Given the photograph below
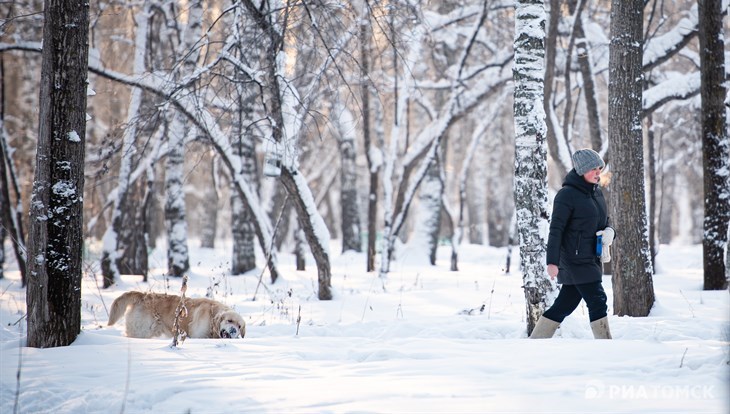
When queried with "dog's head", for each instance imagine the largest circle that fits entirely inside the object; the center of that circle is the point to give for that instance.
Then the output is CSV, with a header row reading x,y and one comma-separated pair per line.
x,y
231,325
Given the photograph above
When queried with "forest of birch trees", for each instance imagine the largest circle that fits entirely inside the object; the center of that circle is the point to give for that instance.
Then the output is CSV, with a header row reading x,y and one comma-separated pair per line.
x,y
281,125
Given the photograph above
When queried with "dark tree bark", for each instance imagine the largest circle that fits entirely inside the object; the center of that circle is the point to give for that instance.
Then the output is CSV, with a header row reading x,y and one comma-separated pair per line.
x,y
633,291
715,145
56,212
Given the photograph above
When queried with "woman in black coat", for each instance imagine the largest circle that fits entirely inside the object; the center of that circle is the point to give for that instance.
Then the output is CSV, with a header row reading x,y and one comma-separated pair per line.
x,y
574,248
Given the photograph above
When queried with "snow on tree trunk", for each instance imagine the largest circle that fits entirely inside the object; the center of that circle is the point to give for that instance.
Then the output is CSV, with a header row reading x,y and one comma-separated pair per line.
x,y
715,145
56,212
531,157
348,180
633,291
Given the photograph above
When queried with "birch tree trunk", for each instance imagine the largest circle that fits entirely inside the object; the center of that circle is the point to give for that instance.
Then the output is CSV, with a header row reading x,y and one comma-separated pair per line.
x,y
348,181
119,238
531,157
428,215
243,231
56,233
291,178
209,219
715,145
177,229
633,291
178,261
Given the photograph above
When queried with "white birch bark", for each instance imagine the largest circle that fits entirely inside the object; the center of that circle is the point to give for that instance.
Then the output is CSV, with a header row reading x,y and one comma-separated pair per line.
x,y
111,243
178,261
531,157
346,130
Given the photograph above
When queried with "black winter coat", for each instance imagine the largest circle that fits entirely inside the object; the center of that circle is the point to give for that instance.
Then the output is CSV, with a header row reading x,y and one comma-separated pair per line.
x,y
579,211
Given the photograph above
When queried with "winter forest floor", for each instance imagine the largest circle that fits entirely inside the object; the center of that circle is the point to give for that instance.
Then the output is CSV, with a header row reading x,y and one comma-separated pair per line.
x,y
423,340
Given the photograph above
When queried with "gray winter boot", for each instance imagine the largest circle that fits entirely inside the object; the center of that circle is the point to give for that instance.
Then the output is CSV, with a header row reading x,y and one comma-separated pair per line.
x,y
600,328
544,328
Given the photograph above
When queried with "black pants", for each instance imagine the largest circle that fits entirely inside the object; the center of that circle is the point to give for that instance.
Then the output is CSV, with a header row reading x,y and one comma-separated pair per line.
x,y
569,298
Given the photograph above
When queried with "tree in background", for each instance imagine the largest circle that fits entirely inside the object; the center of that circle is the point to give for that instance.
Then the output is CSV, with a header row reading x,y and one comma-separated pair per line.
x,y
56,230
435,69
633,291
715,145
531,157
123,251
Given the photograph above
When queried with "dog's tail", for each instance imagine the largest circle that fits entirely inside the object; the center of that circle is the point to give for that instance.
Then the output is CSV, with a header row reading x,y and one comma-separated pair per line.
x,y
120,304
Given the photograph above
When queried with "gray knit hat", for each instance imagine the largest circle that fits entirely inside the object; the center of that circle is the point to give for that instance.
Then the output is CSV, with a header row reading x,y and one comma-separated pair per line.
x,y
585,160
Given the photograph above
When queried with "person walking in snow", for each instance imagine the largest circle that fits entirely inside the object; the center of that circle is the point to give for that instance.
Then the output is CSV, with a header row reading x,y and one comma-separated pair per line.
x,y
575,250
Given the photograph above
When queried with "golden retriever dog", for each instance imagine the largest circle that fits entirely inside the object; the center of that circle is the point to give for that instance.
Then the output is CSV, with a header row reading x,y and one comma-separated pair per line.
x,y
152,315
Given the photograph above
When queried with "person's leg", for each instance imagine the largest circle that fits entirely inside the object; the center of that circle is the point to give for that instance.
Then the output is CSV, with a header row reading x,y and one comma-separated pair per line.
x,y
596,299
566,302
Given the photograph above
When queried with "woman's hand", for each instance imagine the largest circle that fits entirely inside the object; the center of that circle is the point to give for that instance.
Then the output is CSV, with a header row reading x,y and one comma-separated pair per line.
x,y
552,271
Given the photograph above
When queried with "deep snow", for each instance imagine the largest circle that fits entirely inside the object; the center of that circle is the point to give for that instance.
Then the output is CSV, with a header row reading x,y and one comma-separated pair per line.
x,y
431,341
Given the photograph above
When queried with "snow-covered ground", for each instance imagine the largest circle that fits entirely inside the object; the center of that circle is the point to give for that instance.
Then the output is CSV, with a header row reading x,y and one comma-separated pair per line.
x,y
424,340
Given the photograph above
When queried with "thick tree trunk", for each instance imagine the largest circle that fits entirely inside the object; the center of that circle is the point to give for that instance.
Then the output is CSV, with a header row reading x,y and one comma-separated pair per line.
x,y
633,291
715,145
531,158
56,234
